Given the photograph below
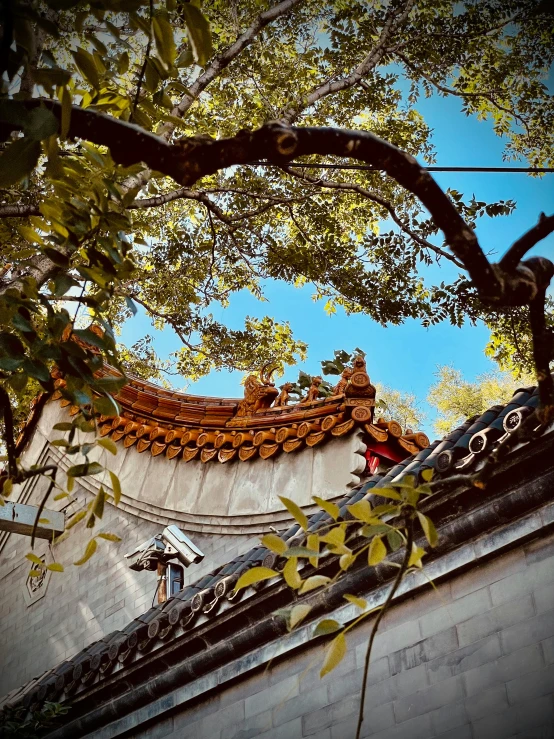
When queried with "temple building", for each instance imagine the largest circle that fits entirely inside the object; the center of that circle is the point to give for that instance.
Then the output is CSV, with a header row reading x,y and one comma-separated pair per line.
x,y
149,638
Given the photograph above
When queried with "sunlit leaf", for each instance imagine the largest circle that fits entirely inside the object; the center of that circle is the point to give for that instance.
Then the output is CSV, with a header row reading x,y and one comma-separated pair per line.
x,y
199,32
331,508
428,529
254,575
108,444
360,602
274,543
109,537
416,556
89,551
295,511
334,655
116,487
377,551
34,559
298,613
290,573
55,567
327,626
314,582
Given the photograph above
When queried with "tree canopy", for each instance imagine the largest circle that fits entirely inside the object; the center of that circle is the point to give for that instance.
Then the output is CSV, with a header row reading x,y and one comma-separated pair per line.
x,y
360,238
138,178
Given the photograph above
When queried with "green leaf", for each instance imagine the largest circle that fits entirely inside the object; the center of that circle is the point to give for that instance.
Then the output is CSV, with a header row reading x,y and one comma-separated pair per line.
x,y
97,508
108,444
428,529
327,626
274,543
298,613
330,508
116,487
199,33
360,602
334,655
295,511
377,551
82,470
18,161
290,573
55,567
165,43
254,575
86,65
63,426
106,405
301,552
311,583
394,539
89,551
40,124
109,537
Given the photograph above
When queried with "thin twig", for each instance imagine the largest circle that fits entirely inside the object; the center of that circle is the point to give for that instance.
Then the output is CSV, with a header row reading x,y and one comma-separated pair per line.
x,y
145,62
386,604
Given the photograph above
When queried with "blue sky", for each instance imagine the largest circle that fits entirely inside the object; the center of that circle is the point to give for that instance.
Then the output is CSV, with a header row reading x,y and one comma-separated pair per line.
x,y
403,357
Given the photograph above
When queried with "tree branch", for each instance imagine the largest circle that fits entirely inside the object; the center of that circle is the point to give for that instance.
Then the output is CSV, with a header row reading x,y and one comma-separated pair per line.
x,y
395,20
384,609
221,61
525,243
18,211
380,201
459,93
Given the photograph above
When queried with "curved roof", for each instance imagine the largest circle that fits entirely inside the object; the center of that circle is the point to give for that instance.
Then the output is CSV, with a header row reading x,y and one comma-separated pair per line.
x,y
463,449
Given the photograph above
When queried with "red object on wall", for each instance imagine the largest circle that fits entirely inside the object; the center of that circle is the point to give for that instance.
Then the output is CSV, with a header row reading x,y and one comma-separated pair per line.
x,y
372,462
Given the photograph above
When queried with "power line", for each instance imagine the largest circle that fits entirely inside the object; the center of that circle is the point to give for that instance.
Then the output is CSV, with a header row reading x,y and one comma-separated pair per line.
x,y
369,168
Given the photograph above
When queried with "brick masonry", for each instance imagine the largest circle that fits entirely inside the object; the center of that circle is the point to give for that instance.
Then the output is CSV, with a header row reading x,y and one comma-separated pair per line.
x,y
473,661
84,603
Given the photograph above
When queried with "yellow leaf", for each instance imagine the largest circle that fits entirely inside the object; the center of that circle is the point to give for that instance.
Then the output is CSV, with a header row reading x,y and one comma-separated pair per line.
x,y
55,567
415,556
360,602
295,511
428,529
35,573
362,511
388,493
334,655
326,626
44,520
313,543
108,444
116,487
377,551
326,505
346,561
335,537
75,519
427,474
7,487
316,581
34,559
109,537
89,551
290,573
256,574
274,543
297,614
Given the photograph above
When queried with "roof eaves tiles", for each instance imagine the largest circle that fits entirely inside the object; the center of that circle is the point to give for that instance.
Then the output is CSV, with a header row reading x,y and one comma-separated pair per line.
x,y
207,595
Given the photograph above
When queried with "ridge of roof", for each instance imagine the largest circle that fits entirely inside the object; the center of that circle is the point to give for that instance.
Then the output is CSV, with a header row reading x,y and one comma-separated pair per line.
x,y
462,449
183,426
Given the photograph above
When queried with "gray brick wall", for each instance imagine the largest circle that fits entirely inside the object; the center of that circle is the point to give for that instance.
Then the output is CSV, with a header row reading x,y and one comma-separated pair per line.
x,y
84,603
475,661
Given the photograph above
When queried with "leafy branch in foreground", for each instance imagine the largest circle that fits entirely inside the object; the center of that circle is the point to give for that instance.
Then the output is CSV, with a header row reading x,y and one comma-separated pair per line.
x,y
379,533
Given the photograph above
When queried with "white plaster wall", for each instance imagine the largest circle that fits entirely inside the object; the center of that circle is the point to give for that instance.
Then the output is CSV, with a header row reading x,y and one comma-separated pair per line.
x,y
238,496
